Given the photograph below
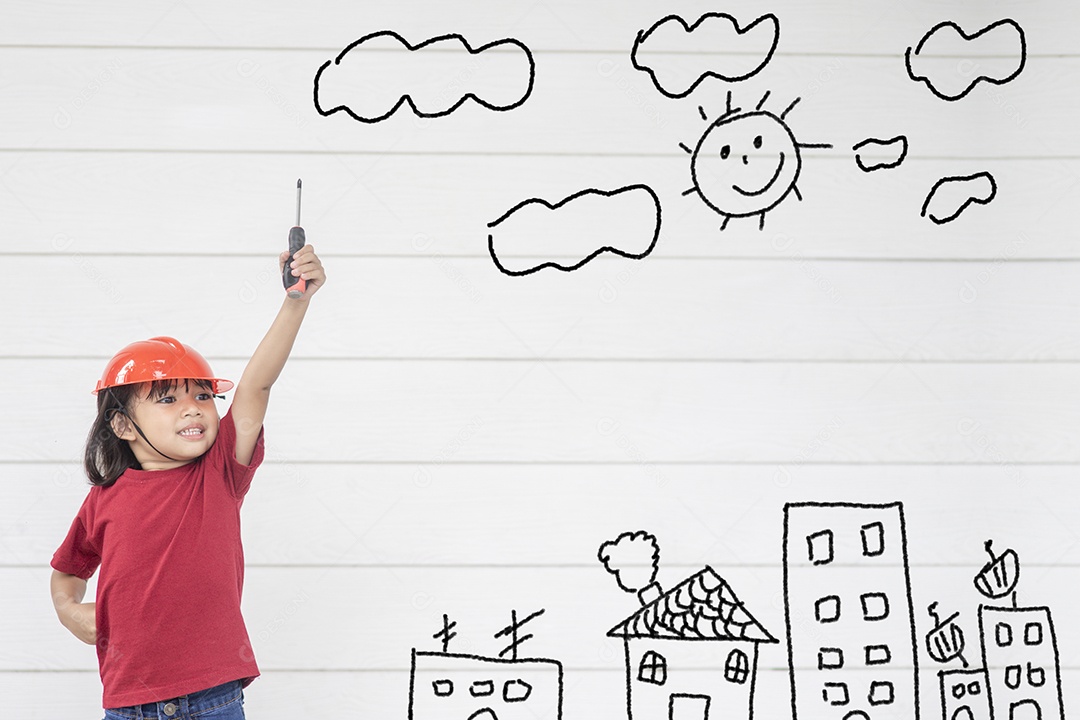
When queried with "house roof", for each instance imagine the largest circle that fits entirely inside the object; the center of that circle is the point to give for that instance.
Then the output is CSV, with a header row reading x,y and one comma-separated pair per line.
x,y
702,607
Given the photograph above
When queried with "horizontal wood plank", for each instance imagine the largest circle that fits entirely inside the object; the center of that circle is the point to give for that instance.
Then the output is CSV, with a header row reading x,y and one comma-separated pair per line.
x,y
409,411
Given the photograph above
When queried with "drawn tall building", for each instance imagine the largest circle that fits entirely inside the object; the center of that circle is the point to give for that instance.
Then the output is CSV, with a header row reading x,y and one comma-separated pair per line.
x,y
1022,663
847,605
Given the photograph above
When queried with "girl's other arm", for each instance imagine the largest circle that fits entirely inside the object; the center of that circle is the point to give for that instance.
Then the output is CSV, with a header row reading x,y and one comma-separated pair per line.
x,y
75,615
253,390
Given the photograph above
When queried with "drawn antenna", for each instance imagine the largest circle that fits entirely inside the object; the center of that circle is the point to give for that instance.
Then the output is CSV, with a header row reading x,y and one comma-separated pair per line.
x,y
513,631
446,634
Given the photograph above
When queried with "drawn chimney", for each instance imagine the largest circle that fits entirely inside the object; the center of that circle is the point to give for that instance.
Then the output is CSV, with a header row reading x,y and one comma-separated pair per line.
x,y
633,558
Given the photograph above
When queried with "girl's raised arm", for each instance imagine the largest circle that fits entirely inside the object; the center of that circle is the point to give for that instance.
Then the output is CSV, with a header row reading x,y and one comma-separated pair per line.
x,y
253,390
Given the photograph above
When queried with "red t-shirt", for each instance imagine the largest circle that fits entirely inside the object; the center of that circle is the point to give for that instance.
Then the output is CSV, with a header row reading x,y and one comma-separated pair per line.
x,y
172,572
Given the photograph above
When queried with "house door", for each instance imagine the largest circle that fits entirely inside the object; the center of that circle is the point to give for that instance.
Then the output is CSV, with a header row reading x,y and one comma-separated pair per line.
x,y
688,707
1025,710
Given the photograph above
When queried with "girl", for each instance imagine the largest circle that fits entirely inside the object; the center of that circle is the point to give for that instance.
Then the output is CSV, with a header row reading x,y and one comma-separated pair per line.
x,y
163,523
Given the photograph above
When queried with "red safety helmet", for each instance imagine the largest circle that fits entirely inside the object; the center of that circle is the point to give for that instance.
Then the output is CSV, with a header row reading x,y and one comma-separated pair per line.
x,y
159,358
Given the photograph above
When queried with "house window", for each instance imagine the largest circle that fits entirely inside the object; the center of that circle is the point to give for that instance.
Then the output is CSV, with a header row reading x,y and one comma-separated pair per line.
x,y
1012,677
873,539
443,688
881,692
878,655
653,668
875,606
482,688
1033,634
820,546
516,691
830,659
737,667
1003,634
827,609
835,693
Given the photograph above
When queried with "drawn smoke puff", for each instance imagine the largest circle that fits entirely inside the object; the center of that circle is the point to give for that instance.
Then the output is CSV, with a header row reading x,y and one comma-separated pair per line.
x,y
633,558
734,53
374,76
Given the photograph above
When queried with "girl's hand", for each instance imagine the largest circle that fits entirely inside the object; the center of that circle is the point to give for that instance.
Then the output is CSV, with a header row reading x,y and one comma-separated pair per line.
x,y
307,266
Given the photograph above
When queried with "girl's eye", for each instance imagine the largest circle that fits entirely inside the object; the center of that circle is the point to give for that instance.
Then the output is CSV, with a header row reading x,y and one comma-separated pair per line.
x,y
167,399
203,396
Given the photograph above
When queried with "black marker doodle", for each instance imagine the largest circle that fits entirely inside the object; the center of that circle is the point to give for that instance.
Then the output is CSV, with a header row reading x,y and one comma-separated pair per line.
x,y
882,146
631,213
1021,671
945,641
746,163
848,611
710,35
473,687
359,86
963,190
700,610
965,694
956,81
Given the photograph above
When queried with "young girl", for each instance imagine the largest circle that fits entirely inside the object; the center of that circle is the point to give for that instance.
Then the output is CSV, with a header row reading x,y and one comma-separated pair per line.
x,y
163,523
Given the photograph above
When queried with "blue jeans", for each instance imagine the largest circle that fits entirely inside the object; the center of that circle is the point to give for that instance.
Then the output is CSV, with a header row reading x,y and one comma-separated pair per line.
x,y
224,702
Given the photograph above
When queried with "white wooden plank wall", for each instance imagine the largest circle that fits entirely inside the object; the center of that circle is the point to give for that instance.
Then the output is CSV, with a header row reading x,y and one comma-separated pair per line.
x,y
469,438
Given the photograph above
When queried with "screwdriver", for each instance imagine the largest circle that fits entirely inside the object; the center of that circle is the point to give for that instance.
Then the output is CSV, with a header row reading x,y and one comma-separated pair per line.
x,y
294,286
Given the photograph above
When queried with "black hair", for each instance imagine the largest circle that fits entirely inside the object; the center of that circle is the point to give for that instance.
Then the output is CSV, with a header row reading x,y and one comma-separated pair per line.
x,y
106,456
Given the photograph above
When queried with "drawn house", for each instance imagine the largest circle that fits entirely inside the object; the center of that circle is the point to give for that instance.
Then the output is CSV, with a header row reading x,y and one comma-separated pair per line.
x,y
691,652
848,610
1022,663
965,694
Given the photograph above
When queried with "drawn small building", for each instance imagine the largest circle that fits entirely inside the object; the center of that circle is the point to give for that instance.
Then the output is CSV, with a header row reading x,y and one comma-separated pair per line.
x,y
691,653
449,686
965,694
848,611
1022,663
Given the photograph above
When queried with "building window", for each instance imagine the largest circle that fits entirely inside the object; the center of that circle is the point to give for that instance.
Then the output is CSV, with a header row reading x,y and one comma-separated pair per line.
x,y
1033,634
835,693
1012,677
516,691
974,688
875,606
820,546
827,609
878,655
958,691
443,688
737,667
1003,634
653,668
1036,676
873,539
482,688
881,692
830,659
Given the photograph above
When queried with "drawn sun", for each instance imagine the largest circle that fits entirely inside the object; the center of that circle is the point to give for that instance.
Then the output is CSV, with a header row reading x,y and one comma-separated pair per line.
x,y
746,163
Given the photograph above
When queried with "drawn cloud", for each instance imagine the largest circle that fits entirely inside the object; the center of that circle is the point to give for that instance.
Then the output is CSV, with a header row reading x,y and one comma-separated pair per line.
x,y
996,54
735,53
950,196
570,228
374,76
893,151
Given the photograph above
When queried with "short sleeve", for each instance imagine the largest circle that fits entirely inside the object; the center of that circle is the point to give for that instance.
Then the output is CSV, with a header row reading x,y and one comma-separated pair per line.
x,y
223,457
76,556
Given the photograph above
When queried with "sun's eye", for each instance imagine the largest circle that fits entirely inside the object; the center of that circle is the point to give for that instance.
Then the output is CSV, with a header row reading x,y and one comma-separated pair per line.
x,y
724,152
757,143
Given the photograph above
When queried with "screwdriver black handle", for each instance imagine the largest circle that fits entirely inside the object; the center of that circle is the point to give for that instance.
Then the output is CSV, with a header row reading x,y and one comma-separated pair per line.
x,y
294,286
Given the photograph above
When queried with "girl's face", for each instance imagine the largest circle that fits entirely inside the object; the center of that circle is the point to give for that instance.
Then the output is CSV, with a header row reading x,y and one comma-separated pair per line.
x,y
182,423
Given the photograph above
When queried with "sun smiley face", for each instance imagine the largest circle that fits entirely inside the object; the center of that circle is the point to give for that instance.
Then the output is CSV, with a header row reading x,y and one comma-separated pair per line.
x,y
746,163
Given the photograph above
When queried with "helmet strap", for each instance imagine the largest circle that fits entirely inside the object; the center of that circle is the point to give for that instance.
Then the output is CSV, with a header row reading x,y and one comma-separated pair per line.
x,y
120,409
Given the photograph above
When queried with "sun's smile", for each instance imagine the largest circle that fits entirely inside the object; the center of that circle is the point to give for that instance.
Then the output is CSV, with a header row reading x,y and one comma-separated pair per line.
x,y
772,181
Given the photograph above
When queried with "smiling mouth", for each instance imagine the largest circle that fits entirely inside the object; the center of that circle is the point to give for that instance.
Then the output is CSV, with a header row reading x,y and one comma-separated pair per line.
x,y
191,432
752,193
